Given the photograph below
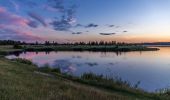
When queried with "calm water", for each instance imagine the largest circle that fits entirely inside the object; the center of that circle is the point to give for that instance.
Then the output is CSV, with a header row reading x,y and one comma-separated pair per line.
x,y
151,68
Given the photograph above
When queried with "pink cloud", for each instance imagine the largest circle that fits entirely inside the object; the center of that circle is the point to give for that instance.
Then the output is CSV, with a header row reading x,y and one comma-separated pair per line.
x,y
27,34
2,9
12,19
8,24
8,33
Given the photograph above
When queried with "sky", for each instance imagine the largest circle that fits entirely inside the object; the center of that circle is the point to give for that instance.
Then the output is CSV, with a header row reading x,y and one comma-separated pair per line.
x,y
85,20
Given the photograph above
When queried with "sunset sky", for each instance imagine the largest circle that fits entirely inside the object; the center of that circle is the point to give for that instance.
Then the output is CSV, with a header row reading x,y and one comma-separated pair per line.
x,y
85,20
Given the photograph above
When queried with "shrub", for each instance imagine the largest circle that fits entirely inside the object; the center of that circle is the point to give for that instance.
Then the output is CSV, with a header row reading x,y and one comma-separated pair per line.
x,y
57,70
91,76
24,61
46,68
104,81
16,46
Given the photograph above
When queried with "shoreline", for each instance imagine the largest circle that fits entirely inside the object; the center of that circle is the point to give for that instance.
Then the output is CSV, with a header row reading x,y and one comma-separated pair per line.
x,y
49,80
9,49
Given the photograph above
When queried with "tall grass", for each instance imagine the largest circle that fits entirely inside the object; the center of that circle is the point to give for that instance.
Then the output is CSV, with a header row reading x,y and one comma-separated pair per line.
x,y
95,80
104,80
24,61
103,83
47,69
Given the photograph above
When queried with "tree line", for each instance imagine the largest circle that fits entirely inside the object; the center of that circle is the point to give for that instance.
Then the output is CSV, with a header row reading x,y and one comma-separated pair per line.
x,y
12,42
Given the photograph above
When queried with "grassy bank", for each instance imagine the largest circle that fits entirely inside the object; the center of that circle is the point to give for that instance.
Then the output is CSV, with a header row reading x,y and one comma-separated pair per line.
x,y
20,82
23,81
8,49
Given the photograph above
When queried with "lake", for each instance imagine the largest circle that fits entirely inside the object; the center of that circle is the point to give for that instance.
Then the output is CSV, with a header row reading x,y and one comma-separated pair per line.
x,y
151,68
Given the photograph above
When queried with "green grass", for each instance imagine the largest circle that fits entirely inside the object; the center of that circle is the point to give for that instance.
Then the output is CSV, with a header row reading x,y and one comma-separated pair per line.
x,y
47,69
24,61
7,49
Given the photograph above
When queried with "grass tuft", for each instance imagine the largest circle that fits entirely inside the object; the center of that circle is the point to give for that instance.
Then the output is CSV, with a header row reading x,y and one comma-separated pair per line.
x,y
47,69
24,61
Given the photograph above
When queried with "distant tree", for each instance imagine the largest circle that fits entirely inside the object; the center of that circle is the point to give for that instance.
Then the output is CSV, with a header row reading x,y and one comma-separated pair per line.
x,y
36,43
113,42
55,43
16,46
101,43
47,43
106,43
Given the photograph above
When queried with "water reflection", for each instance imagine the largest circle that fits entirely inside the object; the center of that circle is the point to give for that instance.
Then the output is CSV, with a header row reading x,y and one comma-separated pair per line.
x,y
91,64
65,65
151,68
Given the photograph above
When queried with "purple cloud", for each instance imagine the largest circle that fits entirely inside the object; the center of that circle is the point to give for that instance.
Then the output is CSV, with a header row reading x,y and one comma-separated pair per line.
x,y
68,15
66,21
91,25
33,24
107,33
71,14
7,18
11,19
111,25
77,33
9,24
61,25
37,17
57,4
